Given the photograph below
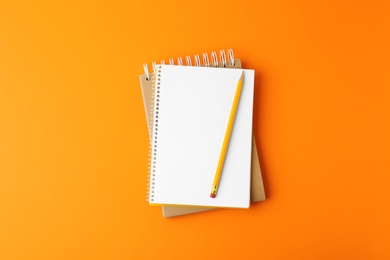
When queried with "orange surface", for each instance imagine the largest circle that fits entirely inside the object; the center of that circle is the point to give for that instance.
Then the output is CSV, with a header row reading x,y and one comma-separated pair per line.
x,y
74,141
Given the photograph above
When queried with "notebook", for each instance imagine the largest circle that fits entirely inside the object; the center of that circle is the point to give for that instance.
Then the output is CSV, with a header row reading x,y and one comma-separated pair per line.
x,y
192,108
257,188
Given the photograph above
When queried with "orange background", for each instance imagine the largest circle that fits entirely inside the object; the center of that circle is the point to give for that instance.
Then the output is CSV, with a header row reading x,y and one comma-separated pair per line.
x,y
74,140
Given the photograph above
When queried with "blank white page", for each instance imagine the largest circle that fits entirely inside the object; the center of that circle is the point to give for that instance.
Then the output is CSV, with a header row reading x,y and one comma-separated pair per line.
x,y
192,108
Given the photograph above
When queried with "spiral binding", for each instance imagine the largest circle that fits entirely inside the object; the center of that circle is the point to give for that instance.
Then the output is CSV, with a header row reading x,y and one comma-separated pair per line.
x,y
197,62
154,128
152,144
154,78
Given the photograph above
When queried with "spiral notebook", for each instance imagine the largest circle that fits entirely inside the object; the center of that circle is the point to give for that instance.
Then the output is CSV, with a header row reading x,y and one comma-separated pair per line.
x,y
191,114
257,188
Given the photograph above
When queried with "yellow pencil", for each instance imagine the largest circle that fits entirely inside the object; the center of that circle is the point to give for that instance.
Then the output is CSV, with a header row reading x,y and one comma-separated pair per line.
x,y
228,132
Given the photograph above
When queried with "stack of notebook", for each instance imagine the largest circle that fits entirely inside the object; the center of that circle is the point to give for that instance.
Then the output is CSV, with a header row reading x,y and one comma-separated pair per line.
x,y
202,153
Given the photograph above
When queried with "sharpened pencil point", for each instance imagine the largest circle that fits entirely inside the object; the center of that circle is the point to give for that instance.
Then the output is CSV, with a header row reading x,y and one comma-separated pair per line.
x,y
242,77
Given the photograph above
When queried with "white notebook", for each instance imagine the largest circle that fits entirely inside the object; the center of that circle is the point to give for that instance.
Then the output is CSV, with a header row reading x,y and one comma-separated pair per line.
x,y
192,107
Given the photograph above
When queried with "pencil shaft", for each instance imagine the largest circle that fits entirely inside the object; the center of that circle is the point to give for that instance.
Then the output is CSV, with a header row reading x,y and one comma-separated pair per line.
x,y
226,140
